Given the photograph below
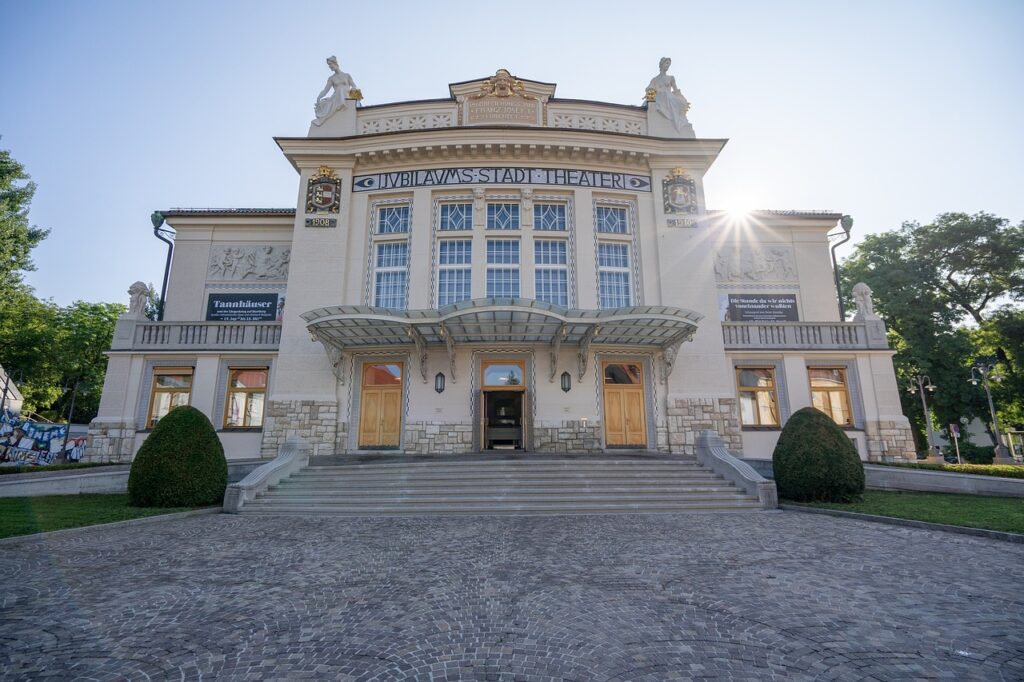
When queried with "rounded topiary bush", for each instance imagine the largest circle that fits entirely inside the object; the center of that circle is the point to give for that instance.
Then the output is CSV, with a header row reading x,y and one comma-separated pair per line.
x,y
814,461
181,464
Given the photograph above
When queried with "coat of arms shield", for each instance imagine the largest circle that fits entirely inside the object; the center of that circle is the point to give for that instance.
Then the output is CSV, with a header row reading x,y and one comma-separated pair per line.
x,y
323,193
679,192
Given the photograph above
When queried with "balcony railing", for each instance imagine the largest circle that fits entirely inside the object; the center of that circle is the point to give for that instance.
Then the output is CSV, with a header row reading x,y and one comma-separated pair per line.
x,y
798,336
206,336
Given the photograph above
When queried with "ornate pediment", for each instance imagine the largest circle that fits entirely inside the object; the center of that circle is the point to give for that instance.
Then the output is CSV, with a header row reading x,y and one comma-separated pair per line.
x,y
502,99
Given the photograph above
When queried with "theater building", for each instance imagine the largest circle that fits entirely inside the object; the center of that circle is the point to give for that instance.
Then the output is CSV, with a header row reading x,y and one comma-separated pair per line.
x,y
500,269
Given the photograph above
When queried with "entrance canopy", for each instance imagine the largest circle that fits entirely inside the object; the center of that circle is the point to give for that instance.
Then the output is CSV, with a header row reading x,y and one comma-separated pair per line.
x,y
344,329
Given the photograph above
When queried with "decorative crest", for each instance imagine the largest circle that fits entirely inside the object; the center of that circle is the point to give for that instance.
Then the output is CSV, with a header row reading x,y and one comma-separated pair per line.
x,y
502,84
323,192
679,193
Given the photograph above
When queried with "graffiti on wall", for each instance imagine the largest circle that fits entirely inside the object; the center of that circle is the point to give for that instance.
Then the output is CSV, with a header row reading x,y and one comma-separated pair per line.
x,y
23,441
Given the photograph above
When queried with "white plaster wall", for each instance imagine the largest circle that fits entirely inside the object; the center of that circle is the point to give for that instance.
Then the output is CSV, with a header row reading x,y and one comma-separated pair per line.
x,y
316,280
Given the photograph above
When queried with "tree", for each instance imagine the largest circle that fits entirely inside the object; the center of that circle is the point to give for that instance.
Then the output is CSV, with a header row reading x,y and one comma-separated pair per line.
x,y
926,279
978,259
17,236
56,347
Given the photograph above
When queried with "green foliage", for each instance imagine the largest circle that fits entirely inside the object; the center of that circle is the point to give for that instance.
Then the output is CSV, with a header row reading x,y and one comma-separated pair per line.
x,y
973,454
17,236
927,280
54,348
181,464
32,469
814,460
1000,470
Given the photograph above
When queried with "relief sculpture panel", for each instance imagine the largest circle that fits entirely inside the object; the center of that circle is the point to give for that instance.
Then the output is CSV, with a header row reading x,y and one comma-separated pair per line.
x,y
765,263
249,263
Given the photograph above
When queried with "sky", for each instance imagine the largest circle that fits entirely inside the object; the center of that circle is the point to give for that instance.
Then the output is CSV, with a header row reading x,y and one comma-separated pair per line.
x,y
888,110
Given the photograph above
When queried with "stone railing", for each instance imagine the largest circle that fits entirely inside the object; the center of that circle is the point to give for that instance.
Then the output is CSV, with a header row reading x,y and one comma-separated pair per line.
x,y
205,336
712,453
801,336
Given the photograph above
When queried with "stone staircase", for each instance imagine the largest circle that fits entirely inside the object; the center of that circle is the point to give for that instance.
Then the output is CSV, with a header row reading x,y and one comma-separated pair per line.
x,y
520,485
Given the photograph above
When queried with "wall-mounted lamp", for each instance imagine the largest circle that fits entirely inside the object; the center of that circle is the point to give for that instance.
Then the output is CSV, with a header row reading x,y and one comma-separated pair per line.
x,y
439,382
566,382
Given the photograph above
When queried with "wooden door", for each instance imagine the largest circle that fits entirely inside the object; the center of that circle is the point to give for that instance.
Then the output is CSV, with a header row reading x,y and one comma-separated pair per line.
x,y
380,407
625,416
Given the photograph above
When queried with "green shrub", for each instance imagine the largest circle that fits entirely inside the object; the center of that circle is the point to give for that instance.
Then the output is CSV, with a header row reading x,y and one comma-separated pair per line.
x,y
181,464
973,454
1001,470
814,460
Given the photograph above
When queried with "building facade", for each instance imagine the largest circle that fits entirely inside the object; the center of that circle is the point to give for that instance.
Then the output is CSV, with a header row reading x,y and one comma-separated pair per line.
x,y
500,269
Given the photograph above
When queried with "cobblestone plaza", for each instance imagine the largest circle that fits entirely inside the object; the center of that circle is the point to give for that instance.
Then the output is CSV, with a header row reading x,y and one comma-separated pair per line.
x,y
634,597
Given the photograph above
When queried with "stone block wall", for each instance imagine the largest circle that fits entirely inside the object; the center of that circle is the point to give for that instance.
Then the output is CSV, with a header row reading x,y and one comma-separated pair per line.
x,y
568,436
898,439
438,438
316,421
110,442
688,416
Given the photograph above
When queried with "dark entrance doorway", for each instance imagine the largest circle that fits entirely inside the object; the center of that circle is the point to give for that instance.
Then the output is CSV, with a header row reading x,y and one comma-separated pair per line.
x,y
503,420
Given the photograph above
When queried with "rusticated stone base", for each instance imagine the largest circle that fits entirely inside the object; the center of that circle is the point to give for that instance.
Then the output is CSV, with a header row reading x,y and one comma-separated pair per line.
x,y
568,436
688,416
438,438
897,438
110,442
315,421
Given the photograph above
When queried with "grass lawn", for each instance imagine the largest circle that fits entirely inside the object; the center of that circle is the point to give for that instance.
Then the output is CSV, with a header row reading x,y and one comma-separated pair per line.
x,y
973,511
26,515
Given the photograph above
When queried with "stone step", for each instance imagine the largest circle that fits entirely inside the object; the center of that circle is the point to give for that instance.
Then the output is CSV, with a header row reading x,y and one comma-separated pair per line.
x,y
499,509
483,497
553,487
528,486
516,465
484,475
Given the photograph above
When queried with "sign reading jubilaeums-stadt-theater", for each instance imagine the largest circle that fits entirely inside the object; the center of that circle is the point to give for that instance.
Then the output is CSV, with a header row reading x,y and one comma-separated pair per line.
x,y
490,175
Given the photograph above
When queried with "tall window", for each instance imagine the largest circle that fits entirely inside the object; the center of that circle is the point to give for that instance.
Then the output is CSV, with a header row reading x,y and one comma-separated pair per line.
x,y
613,276
502,216
758,399
456,216
393,220
830,394
391,272
247,392
611,220
503,268
454,270
551,271
549,217
172,387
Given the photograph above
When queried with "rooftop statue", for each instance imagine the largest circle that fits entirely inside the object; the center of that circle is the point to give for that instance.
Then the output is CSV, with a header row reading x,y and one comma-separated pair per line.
x,y
865,306
343,88
663,94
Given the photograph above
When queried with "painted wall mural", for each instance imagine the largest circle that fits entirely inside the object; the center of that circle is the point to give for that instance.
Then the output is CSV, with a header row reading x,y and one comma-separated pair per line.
x,y
23,441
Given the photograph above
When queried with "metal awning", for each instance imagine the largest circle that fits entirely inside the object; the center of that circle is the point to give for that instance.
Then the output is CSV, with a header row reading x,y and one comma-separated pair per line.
x,y
343,329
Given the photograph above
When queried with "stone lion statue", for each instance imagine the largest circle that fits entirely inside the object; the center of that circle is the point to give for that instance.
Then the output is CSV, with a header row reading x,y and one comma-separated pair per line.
x,y
139,293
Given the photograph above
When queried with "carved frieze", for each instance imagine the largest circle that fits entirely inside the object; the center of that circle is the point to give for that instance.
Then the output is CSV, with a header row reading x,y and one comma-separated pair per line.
x,y
249,263
418,121
761,263
582,121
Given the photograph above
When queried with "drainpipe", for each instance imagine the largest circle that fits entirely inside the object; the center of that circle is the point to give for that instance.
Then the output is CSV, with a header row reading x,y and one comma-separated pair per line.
x,y
847,224
158,232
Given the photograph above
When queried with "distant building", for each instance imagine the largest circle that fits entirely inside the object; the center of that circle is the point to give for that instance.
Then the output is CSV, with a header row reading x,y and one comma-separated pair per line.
x,y
10,396
500,269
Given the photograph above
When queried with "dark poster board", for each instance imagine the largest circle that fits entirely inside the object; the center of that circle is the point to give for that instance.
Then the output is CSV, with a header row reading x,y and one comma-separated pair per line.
x,y
241,308
760,308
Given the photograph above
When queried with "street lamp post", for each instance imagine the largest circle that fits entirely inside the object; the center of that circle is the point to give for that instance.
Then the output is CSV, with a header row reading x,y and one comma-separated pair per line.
x,y
73,387
923,383
987,373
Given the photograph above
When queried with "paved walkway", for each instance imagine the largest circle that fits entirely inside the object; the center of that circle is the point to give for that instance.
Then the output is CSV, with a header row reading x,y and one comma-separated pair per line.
x,y
703,596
